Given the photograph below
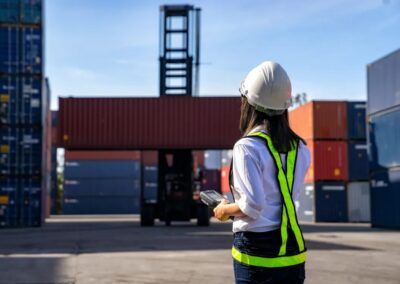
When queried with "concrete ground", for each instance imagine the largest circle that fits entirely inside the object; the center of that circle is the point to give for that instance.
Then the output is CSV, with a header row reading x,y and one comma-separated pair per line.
x,y
104,249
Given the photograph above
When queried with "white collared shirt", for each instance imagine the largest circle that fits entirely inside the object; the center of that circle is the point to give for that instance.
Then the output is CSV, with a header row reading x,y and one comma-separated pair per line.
x,y
256,190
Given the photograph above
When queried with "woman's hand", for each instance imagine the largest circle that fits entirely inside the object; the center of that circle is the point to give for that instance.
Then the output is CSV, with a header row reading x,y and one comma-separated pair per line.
x,y
219,211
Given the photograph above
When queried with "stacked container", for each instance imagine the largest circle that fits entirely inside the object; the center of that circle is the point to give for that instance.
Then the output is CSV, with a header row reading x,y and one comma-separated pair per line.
x,y
102,182
358,196
323,125
24,104
55,207
384,140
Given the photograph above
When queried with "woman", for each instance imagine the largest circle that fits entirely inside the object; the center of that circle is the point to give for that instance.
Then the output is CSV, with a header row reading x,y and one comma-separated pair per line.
x,y
269,165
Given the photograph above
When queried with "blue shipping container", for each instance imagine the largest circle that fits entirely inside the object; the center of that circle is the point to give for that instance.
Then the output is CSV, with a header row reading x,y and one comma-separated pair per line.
x,y
356,120
383,83
20,151
385,196
31,11
150,173
330,202
358,161
9,11
101,205
384,141
102,187
150,192
21,50
212,159
20,201
102,169
30,210
20,100
8,203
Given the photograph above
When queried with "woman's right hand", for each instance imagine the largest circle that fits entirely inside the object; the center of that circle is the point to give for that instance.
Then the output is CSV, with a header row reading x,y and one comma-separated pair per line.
x,y
219,211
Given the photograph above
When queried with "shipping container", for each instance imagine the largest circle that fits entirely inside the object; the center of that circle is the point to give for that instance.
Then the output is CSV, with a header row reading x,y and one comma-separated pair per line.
x,y
102,168
149,158
171,123
358,161
226,156
328,161
384,83
102,187
31,11
31,213
225,179
101,155
20,100
320,120
9,12
20,150
384,140
358,200
9,198
356,121
21,50
323,202
150,192
150,173
198,159
211,180
212,159
385,196
101,205
305,205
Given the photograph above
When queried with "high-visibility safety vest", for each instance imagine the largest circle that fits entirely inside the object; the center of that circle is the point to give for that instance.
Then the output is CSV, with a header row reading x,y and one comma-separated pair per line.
x,y
289,221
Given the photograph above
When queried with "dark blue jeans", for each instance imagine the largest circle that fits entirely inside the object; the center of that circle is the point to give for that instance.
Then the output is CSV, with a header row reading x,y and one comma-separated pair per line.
x,y
264,244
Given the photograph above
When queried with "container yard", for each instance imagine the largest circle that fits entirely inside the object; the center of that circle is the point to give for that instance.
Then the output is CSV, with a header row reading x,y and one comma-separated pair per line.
x,y
102,180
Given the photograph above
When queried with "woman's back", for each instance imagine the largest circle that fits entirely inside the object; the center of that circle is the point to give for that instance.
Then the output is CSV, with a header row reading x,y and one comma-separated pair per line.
x,y
256,187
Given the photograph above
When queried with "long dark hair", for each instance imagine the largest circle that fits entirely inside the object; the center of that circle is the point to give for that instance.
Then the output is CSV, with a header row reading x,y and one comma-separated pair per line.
x,y
277,126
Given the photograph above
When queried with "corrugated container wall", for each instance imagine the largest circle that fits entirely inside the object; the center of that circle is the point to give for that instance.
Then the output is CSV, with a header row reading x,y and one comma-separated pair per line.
x,y
358,160
328,161
149,123
384,83
356,120
323,202
320,120
358,199
385,196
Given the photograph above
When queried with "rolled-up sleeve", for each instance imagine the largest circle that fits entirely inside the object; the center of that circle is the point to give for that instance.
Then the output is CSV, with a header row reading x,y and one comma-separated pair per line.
x,y
247,180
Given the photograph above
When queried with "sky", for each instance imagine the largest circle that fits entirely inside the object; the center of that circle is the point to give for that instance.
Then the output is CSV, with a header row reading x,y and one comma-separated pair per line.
x,y
102,48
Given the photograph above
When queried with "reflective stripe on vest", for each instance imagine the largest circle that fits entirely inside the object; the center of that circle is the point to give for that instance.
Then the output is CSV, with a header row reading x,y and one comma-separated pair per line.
x,y
285,181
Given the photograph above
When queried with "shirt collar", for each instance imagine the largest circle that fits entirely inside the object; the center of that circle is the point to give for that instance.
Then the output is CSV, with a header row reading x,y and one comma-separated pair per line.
x,y
260,127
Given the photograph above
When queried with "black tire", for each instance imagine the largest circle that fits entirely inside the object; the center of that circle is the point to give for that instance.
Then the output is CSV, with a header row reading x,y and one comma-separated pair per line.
x,y
147,215
203,215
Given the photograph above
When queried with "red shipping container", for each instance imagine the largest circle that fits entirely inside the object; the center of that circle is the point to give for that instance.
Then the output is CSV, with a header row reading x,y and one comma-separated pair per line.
x,y
148,123
328,161
320,120
198,159
211,180
150,158
101,155
225,179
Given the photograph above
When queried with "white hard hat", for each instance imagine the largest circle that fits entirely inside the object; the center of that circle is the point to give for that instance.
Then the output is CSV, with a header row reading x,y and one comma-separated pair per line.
x,y
267,87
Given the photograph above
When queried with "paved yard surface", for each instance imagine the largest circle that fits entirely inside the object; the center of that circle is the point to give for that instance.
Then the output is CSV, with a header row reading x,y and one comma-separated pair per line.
x,y
104,249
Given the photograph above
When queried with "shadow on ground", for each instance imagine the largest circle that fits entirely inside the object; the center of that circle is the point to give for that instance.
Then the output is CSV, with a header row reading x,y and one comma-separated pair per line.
x,y
91,236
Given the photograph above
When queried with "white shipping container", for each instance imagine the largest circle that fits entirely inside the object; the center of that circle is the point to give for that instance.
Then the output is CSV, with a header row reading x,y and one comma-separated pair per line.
x,y
358,198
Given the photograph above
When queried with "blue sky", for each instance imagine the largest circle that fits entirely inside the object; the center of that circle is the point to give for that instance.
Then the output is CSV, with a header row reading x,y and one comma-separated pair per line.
x,y
110,48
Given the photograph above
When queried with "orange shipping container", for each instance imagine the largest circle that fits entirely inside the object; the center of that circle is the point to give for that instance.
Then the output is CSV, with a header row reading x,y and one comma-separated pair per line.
x,y
225,179
320,120
328,161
